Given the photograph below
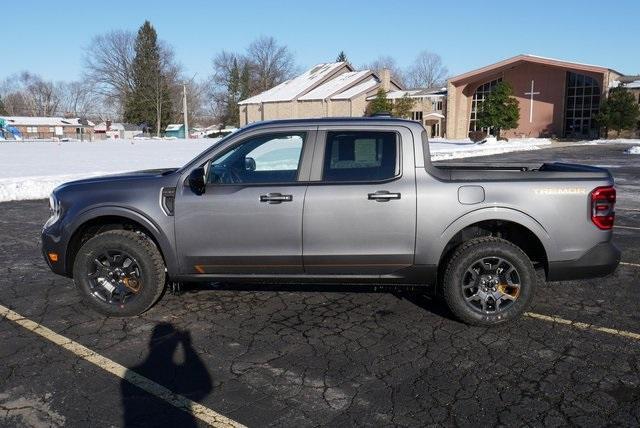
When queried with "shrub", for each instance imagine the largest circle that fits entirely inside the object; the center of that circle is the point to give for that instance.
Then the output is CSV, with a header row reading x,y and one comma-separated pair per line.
x,y
477,136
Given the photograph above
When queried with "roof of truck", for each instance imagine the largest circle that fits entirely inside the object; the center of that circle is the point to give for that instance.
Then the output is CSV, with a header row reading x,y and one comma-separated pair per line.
x,y
374,120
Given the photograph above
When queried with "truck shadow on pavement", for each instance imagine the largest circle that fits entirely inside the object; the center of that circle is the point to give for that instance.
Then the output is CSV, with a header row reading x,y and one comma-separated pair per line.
x,y
173,363
421,296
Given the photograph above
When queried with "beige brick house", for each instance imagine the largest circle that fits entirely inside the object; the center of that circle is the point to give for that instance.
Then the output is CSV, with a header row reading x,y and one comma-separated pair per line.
x,y
429,108
325,90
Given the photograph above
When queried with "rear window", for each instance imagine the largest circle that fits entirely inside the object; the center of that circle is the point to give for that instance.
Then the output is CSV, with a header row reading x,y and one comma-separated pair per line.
x,y
360,156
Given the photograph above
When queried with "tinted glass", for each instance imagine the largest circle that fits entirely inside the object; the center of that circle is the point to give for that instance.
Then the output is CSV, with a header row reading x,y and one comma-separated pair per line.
x,y
360,156
270,158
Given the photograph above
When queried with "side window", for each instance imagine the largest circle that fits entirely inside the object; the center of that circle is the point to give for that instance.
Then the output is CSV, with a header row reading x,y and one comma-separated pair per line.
x,y
271,158
360,156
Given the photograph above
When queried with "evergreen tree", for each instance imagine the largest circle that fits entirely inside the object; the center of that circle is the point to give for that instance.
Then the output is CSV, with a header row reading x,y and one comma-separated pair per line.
x,y
245,81
619,111
342,57
499,110
149,102
380,104
403,106
232,110
3,110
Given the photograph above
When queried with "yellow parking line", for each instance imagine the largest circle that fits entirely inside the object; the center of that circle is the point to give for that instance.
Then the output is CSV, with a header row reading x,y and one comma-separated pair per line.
x,y
199,411
630,264
627,227
584,326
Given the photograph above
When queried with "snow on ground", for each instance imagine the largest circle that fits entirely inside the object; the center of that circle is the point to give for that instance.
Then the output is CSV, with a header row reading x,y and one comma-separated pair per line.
x,y
635,150
443,149
31,170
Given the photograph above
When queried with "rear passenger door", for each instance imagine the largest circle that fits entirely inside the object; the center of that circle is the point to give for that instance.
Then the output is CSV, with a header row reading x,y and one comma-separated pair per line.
x,y
360,207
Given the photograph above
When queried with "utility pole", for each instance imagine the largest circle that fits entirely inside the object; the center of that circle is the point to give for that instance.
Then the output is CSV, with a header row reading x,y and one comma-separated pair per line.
x,y
184,110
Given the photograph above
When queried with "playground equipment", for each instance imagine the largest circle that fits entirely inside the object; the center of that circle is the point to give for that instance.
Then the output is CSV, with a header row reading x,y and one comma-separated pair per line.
x,y
8,130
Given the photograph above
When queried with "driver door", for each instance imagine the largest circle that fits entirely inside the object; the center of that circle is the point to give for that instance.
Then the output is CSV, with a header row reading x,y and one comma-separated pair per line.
x,y
248,221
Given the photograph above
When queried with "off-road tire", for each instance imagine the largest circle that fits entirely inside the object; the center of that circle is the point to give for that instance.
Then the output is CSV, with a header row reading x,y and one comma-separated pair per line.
x,y
473,250
148,258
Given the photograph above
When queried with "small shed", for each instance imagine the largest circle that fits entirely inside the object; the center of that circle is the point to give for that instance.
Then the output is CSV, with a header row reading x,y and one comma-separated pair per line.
x,y
174,130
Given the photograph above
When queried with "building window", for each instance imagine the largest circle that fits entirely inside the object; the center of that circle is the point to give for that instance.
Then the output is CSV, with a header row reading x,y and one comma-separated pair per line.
x,y
32,129
583,103
436,105
51,129
476,103
417,116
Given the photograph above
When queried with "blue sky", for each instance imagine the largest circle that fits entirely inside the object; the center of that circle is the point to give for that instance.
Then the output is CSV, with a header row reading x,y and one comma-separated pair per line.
x,y
48,37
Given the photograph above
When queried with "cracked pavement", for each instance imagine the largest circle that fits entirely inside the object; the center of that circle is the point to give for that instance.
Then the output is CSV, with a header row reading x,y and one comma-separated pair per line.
x,y
326,355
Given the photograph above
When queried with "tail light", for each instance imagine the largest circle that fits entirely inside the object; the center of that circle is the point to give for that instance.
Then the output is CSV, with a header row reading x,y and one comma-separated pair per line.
x,y
603,200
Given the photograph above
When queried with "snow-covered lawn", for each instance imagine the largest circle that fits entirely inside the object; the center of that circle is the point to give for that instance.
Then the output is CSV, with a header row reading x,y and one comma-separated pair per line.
x,y
30,170
635,150
443,149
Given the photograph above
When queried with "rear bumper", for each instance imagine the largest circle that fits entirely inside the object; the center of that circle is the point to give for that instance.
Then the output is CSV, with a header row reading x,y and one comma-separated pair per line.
x,y
600,260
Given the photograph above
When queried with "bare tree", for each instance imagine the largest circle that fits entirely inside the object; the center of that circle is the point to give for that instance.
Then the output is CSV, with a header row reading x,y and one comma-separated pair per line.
x,y
388,62
78,99
272,63
28,94
108,65
427,71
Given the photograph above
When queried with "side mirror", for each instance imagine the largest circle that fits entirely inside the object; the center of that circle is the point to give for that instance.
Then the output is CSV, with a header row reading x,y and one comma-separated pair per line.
x,y
249,164
196,181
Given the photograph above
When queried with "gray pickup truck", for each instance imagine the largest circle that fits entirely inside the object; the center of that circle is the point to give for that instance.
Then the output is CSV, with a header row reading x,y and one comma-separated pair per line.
x,y
334,201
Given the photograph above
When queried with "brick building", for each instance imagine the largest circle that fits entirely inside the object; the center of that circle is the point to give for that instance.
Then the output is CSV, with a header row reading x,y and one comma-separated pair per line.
x,y
326,90
47,128
556,98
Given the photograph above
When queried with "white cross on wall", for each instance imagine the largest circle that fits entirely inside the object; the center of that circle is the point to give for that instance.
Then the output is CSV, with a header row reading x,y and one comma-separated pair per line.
x,y
531,93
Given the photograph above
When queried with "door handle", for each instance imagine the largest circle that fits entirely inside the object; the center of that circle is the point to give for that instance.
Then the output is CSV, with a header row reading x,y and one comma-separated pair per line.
x,y
383,196
275,198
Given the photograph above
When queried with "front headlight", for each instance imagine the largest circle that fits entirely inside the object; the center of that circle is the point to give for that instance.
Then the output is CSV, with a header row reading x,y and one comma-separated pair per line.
x,y
54,209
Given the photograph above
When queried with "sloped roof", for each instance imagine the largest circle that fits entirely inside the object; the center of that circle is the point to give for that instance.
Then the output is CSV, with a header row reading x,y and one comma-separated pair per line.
x,y
364,86
502,65
44,121
300,85
336,85
414,93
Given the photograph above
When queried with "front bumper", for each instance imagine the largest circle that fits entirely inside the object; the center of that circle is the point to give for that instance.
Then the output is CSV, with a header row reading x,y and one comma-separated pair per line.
x,y
600,260
52,242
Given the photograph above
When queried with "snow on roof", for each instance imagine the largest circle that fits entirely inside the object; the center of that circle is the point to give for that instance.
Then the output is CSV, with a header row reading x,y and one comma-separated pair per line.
x,y
174,127
365,86
412,93
633,85
333,86
289,90
43,121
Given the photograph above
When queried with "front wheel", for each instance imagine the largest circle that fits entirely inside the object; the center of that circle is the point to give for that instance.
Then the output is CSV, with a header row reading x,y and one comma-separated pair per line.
x,y
488,281
119,273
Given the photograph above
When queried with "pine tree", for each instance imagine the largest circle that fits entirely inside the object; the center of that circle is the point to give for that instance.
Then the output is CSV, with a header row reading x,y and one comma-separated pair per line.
x,y
342,57
3,110
403,106
499,110
619,111
149,102
232,110
380,104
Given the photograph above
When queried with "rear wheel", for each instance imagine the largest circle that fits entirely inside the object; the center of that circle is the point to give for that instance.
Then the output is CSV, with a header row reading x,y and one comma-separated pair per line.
x,y
119,273
488,281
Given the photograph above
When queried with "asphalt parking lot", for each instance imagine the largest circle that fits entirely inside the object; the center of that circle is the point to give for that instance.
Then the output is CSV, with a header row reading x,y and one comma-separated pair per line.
x,y
338,356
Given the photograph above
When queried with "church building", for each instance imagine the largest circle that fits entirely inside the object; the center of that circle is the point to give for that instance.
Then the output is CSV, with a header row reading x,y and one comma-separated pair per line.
x,y
556,98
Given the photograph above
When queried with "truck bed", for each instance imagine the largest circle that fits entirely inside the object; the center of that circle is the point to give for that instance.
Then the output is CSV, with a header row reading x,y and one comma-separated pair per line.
x,y
479,171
